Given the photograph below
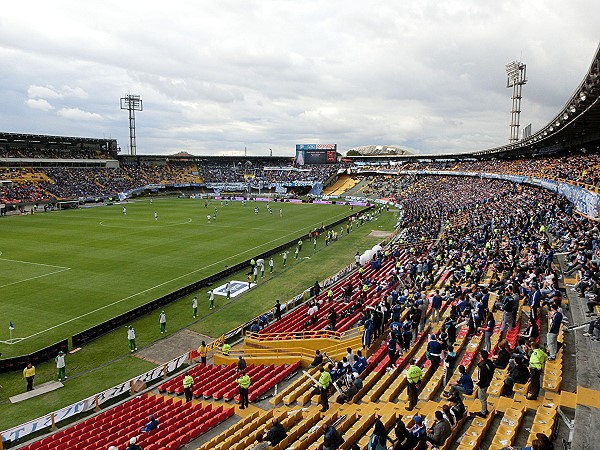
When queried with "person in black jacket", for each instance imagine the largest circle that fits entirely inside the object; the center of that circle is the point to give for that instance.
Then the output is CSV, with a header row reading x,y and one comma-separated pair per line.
x,y
404,440
276,433
519,373
486,373
331,439
317,361
502,357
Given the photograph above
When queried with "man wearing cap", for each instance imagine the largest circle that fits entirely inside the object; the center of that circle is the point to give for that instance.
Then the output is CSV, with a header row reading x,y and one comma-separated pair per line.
x,y
151,425
162,320
131,338
414,375
244,383
133,443
188,383
418,430
60,365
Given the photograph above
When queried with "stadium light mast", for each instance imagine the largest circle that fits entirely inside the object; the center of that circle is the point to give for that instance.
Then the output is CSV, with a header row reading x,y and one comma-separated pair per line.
x,y
132,103
517,77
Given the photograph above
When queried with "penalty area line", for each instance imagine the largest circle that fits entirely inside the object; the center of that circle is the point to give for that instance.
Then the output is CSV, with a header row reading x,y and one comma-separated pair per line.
x,y
33,263
35,278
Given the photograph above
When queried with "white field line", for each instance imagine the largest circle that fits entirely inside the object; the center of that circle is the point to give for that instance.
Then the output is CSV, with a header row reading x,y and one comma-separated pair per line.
x,y
34,264
12,341
35,278
189,220
165,283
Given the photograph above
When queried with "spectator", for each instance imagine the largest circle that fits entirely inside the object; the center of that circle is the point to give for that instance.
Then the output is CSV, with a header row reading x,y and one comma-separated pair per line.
x,y
457,407
379,437
331,439
133,444
261,444
463,385
276,433
440,430
532,331
502,357
486,373
404,440
317,361
361,363
351,390
241,364
418,430
553,330
151,425
593,330
519,373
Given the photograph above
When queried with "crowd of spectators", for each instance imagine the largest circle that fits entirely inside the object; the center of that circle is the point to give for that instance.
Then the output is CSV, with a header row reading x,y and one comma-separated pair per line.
x,y
220,172
492,236
48,153
71,182
584,168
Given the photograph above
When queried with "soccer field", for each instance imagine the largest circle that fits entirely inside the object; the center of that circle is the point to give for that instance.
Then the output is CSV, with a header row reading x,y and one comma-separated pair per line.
x,y
62,272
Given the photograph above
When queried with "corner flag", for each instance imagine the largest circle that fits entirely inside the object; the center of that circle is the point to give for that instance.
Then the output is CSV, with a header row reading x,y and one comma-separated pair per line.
x,y
11,326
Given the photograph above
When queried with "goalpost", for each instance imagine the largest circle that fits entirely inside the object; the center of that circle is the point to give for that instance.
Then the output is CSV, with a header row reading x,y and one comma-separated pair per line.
x,y
67,204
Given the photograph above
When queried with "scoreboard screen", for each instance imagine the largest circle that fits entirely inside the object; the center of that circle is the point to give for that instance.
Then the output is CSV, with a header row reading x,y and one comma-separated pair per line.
x,y
316,154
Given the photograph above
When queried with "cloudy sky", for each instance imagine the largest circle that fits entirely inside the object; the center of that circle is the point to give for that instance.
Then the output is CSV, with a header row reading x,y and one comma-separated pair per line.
x,y
218,76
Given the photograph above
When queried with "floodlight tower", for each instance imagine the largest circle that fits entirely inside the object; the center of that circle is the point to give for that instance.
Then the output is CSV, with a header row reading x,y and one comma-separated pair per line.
x,y
517,77
132,103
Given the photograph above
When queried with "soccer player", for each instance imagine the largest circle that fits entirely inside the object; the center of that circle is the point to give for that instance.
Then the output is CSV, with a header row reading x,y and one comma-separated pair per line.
x,y
260,263
228,290
211,299
208,218
280,213
195,306
155,215
284,254
124,211
271,265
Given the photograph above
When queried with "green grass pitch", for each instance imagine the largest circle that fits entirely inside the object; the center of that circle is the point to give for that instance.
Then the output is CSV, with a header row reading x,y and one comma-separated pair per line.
x,y
62,272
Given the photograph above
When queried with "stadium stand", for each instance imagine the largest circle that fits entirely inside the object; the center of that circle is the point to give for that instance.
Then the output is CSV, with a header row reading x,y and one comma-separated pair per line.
x,y
509,249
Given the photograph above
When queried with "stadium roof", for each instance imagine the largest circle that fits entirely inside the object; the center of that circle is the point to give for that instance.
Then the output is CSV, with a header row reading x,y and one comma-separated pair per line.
x,y
25,140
